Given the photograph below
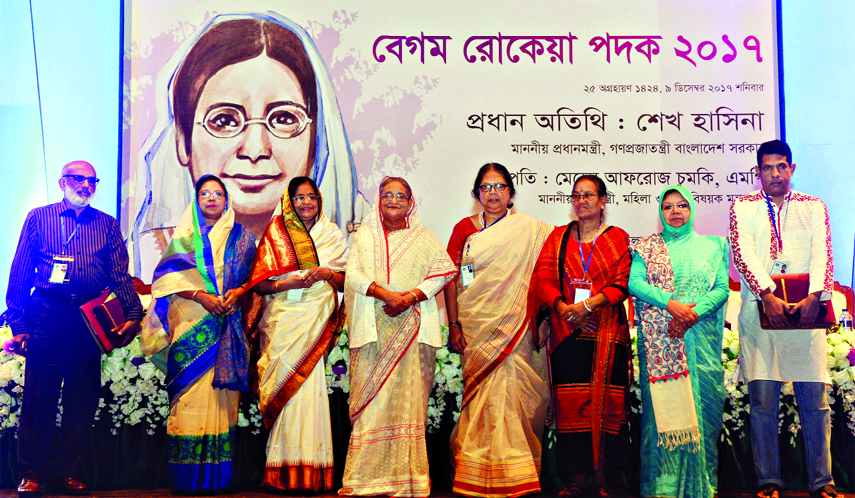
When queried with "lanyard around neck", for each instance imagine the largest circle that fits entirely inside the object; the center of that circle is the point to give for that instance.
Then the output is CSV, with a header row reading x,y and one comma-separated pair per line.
x,y
586,264
483,220
73,232
774,219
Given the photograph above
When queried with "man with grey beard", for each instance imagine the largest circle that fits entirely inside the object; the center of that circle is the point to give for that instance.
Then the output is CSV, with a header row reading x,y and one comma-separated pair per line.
x,y
68,253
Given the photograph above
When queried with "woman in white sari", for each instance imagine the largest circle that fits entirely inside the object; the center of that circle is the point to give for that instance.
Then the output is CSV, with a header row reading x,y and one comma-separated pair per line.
x,y
395,269
496,444
299,266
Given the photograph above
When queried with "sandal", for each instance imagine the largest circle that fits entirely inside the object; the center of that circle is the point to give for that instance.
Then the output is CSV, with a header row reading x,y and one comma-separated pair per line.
x,y
601,492
571,491
770,490
827,491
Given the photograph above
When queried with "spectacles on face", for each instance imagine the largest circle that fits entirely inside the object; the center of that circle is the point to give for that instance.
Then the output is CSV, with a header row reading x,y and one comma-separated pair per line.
x,y
389,196
283,121
79,179
683,206
766,168
585,196
498,187
217,194
301,198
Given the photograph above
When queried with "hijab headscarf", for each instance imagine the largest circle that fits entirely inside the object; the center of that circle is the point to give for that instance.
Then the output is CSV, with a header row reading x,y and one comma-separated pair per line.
x,y
669,232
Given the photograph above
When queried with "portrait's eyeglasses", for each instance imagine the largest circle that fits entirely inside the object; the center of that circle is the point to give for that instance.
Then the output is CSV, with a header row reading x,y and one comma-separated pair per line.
x,y
301,198
769,167
217,194
80,179
486,187
681,206
389,196
283,121
587,196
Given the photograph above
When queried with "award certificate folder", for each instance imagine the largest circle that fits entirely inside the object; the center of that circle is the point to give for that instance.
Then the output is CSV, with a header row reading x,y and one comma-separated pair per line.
x,y
104,316
792,288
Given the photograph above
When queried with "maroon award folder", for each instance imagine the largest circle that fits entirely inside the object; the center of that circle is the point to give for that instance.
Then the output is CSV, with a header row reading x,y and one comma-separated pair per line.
x,y
792,288
104,316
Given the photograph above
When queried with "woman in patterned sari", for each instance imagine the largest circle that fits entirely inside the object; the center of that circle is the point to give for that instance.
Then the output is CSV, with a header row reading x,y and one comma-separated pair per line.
x,y
679,281
299,266
395,269
193,331
496,444
581,275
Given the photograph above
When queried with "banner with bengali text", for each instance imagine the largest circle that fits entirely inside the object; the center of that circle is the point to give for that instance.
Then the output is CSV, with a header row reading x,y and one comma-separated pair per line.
x,y
644,94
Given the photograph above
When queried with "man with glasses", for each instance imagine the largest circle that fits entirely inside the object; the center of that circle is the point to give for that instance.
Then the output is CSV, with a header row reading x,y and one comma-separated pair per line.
x,y
773,231
69,252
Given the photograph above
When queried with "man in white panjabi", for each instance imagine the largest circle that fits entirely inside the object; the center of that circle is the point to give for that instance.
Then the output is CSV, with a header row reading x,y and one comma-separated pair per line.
x,y
776,230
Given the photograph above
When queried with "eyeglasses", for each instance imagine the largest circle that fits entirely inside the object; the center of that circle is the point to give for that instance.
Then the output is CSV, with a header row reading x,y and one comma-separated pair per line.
x,y
301,198
283,121
498,187
769,167
681,206
80,179
586,196
217,194
389,196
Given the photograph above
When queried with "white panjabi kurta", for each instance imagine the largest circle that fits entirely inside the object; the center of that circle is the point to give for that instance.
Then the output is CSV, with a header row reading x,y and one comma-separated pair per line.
x,y
782,355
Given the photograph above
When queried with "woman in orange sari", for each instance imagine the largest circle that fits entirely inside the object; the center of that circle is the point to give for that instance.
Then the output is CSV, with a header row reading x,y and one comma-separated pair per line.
x,y
581,275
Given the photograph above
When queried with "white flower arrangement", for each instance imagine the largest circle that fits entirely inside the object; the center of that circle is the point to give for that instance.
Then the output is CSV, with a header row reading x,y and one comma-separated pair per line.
x,y
11,383
137,394
841,369
448,378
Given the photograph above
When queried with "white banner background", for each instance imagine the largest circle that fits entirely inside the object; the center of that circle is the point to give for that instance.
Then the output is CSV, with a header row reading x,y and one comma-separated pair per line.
x,y
413,118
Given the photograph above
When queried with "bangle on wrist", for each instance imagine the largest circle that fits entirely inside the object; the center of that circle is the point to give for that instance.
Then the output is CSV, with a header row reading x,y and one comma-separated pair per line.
x,y
415,297
193,297
455,322
370,289
585,303
330,277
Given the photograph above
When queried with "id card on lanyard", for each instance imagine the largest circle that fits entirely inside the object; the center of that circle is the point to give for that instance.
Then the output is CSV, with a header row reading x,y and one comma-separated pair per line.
x,y
581,289
781,261
467,272
61,263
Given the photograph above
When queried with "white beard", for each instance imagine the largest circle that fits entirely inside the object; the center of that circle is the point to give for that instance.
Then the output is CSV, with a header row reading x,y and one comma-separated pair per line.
x,y
75,199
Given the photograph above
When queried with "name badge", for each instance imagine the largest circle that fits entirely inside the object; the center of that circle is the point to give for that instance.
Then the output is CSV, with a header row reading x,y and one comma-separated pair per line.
x,y
779,266
581,290
467,275
294,294
60,269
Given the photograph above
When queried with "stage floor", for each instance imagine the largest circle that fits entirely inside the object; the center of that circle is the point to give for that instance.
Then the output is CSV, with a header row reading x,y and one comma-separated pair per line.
x,y
128,493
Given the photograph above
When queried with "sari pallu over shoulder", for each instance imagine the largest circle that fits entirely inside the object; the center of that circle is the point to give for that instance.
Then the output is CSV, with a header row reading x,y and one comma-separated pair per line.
x,y
496,302
285,247
209,258
376,260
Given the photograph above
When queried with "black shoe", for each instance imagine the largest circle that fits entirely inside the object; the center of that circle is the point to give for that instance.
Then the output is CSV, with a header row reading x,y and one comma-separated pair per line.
x,y
29,487
70,486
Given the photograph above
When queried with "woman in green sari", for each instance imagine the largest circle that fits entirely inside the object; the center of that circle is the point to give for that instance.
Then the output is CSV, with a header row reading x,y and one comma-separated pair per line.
x,y
679,283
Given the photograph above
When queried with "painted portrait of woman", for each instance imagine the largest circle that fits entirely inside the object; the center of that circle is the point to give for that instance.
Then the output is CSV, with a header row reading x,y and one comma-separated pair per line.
x,y
247,98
